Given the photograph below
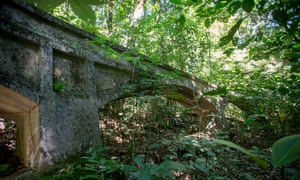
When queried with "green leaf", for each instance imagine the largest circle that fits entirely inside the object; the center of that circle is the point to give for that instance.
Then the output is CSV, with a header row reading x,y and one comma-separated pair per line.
x,y
221,4
249,176
208,22
83,10
226,39
169,164
143,174
234,28
202,168
139,160
233,7
249,121
176,2
260,162
57,86
248,5
182,19
296,46
228,51
286,150
162,172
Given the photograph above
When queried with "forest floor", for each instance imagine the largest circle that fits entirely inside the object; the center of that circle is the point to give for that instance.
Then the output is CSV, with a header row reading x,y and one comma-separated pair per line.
x,y
171,149
179,139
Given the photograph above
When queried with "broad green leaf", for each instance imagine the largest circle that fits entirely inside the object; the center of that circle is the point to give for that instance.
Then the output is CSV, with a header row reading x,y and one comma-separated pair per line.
x,y
249,176
139,160
260,162
249,121
234,28
248,5
168,164
162,172
143,174
221,4
296,46
130,168
202,167
286,150
293,173
45,5
226,39
83,10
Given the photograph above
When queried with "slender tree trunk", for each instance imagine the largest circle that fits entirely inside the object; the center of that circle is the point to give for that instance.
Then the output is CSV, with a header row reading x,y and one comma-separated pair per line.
x,y
66,6
163,48
138,12
136,16
110,17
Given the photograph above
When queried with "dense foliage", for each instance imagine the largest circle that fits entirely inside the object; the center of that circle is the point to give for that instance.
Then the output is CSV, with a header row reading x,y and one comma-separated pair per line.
x,y
250,47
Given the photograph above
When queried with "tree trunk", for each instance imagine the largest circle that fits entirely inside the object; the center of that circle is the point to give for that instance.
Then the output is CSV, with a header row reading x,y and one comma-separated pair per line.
x,y
137,15
138,12
110,17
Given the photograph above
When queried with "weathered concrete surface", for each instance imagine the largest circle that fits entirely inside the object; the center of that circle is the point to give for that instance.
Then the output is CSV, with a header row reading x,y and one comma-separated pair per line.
x,y
62,80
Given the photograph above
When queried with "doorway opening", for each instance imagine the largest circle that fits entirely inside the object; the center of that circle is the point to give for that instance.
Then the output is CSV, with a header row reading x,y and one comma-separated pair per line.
x,y
19,119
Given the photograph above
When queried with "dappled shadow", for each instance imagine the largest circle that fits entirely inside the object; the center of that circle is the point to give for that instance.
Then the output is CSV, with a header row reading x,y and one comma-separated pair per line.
x,y
132,129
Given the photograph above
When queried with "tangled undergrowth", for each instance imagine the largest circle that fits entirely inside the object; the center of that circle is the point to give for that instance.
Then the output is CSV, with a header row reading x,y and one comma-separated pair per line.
x,y
169,149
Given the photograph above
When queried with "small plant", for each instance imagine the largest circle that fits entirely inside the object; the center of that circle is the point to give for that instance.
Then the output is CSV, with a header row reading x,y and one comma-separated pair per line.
x,y
97,165
147,171
284,151
58,86
94,165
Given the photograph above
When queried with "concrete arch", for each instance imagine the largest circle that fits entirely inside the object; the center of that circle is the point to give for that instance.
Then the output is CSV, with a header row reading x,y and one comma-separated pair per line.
x,y
181,94
204,108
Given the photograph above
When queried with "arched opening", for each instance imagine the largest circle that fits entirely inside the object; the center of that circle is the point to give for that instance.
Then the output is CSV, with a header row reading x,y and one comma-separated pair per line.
x,y
187,97
134,125
25,114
